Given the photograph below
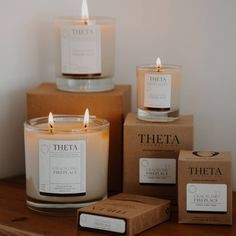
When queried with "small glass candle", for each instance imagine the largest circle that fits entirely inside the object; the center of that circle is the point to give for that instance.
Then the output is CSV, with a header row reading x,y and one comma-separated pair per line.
x,y
158,92
85,53
66,162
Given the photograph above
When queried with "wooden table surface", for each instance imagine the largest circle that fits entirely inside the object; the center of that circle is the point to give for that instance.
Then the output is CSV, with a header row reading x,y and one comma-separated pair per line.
x,y
17,220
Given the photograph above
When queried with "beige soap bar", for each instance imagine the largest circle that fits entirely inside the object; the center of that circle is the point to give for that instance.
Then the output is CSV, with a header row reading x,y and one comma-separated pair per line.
x,y
127,214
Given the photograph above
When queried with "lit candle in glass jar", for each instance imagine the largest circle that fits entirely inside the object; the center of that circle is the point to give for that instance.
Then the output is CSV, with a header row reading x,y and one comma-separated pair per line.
x,y
85,52
158,92
66,161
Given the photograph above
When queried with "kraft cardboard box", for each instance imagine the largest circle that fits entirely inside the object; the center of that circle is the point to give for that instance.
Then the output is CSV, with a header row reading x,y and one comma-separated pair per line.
x,y
150,155
205,187
111,105
127,214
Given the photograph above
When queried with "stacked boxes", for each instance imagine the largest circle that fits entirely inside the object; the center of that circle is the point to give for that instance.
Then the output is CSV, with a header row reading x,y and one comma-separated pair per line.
x,y
149,148
151,154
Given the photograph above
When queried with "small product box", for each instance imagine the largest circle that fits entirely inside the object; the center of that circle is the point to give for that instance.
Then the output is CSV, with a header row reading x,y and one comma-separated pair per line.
x,y
150,155
205,187
126,214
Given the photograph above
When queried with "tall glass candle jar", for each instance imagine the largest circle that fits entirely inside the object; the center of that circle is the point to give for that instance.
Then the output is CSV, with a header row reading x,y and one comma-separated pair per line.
x,y
158,92
85,52
66,163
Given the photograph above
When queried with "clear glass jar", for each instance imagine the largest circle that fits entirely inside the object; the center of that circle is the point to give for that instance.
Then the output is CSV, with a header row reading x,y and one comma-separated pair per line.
x,y
67,167
85,54
158,92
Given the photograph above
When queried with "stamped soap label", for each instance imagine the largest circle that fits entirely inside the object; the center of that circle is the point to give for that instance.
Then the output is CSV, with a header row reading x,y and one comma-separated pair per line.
x,y
157,91
102,223
62,167
206,197
157,171
81,49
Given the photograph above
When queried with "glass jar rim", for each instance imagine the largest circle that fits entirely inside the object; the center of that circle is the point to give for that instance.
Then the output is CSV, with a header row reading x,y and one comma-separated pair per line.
x,y
100,124
93,20
163,67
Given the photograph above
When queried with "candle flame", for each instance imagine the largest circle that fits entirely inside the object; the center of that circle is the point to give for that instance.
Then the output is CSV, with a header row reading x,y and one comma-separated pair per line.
x,y
158,63
84,10
50,122
86,118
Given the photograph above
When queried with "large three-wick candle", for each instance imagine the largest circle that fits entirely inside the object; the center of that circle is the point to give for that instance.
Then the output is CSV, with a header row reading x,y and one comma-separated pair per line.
x,y
66,163
158,92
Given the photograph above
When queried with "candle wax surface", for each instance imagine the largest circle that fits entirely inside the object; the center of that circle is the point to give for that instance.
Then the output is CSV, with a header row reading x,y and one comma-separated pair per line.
x,y
68,127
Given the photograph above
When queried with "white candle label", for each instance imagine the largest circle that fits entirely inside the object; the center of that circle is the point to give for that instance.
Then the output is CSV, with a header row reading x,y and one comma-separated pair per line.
x,y
207,197
157,91
157,171
102,223
62,167
81,49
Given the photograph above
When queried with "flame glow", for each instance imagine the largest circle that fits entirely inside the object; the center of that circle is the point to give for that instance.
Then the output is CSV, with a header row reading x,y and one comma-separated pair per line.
x,y
86,119
84,10
50,121
158,62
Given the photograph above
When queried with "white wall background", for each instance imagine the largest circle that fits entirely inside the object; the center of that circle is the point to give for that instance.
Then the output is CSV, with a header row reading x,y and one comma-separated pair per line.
x,y
200,35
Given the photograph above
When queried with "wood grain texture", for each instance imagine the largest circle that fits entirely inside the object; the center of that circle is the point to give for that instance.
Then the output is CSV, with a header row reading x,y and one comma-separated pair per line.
x,y
5,230
17,220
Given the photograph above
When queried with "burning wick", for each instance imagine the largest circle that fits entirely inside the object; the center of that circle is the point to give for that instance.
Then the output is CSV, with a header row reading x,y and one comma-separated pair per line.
x,y
158,63
86,119
84,12
50,122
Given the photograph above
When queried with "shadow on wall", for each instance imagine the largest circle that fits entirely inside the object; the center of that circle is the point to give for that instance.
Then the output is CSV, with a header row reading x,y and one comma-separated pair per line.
x,y
38,65
48,44
12,135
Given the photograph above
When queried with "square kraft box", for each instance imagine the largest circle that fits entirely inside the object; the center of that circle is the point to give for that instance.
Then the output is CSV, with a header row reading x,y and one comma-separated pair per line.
x,y
111,105
127,214
150,155
205,187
